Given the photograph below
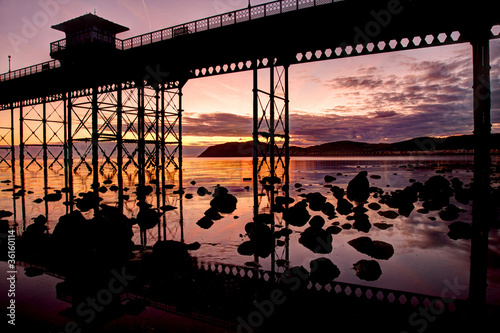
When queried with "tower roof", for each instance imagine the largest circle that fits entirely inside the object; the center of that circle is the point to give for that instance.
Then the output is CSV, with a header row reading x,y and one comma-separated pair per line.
x,y
87,21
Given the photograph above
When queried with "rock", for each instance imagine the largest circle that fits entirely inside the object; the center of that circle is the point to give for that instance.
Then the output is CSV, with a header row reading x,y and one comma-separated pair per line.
x,y
361,222
171,253
360,209
374,206
193,246
375,176
38,200
188,196
87,201
53,196
297,185
368,270
333,229
193,182
317,240
463,196
102,189
344,207
5,213
390,214
375,249
382,225
205,222
317,222
147,218
460,230
436,193
246,248
329,179
297,215
423,211
450,213
261,237
346,226
142,191
202,191
358,188
264,218
329,210
316,201
225,203
323,271
338,192
282,201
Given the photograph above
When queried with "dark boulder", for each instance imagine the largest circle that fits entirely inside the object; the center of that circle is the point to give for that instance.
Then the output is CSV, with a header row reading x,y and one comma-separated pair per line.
x,y
375,249
358,189
297,215
460,230
368,270
323,271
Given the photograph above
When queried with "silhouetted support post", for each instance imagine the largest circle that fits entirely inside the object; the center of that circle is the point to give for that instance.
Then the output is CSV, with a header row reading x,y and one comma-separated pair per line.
x,y
95,149
255,135
21,163
181,195
162,157
140,132
256,145
12,138
68,147
141,145
13,159
119,144
482,205
158,137
45,157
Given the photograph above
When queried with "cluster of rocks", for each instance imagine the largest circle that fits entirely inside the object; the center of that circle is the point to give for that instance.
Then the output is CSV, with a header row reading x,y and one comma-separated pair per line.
x,y
222,203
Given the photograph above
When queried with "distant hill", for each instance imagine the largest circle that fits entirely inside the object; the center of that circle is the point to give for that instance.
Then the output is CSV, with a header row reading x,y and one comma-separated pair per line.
x,y
452,144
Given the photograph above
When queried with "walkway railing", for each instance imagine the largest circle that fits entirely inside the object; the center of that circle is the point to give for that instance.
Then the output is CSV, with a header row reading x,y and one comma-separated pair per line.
x,y
38,68
209,23
217,21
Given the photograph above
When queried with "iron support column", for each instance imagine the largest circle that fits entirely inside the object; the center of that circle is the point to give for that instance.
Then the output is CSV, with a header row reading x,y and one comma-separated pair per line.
x,y
140,133
181,208
69,146
119,144
481,210
272,139
21,162
255,135
95,148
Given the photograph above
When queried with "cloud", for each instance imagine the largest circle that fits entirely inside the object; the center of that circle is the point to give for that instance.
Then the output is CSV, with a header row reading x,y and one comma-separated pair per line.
x,y
217,124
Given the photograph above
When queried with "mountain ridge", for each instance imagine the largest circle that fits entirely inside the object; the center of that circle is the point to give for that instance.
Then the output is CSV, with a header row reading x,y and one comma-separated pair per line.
x,y
423,145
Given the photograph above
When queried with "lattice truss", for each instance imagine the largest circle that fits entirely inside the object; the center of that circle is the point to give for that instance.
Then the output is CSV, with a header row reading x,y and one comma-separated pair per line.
x,y
42,133
271,124
7,142
271,156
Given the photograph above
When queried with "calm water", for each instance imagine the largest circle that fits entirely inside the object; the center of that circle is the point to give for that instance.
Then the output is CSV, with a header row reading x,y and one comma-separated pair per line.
x,y
424,259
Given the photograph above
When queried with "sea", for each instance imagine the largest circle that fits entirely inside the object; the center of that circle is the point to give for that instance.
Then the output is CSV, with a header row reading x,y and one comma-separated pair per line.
x,y
426,260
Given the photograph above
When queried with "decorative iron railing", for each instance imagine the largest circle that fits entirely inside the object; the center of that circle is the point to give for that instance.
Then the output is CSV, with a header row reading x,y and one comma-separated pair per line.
x,y
217,21
38,68
209,23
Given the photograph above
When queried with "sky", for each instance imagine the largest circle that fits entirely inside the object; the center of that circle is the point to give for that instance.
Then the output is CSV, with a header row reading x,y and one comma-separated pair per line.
x,y
377,98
